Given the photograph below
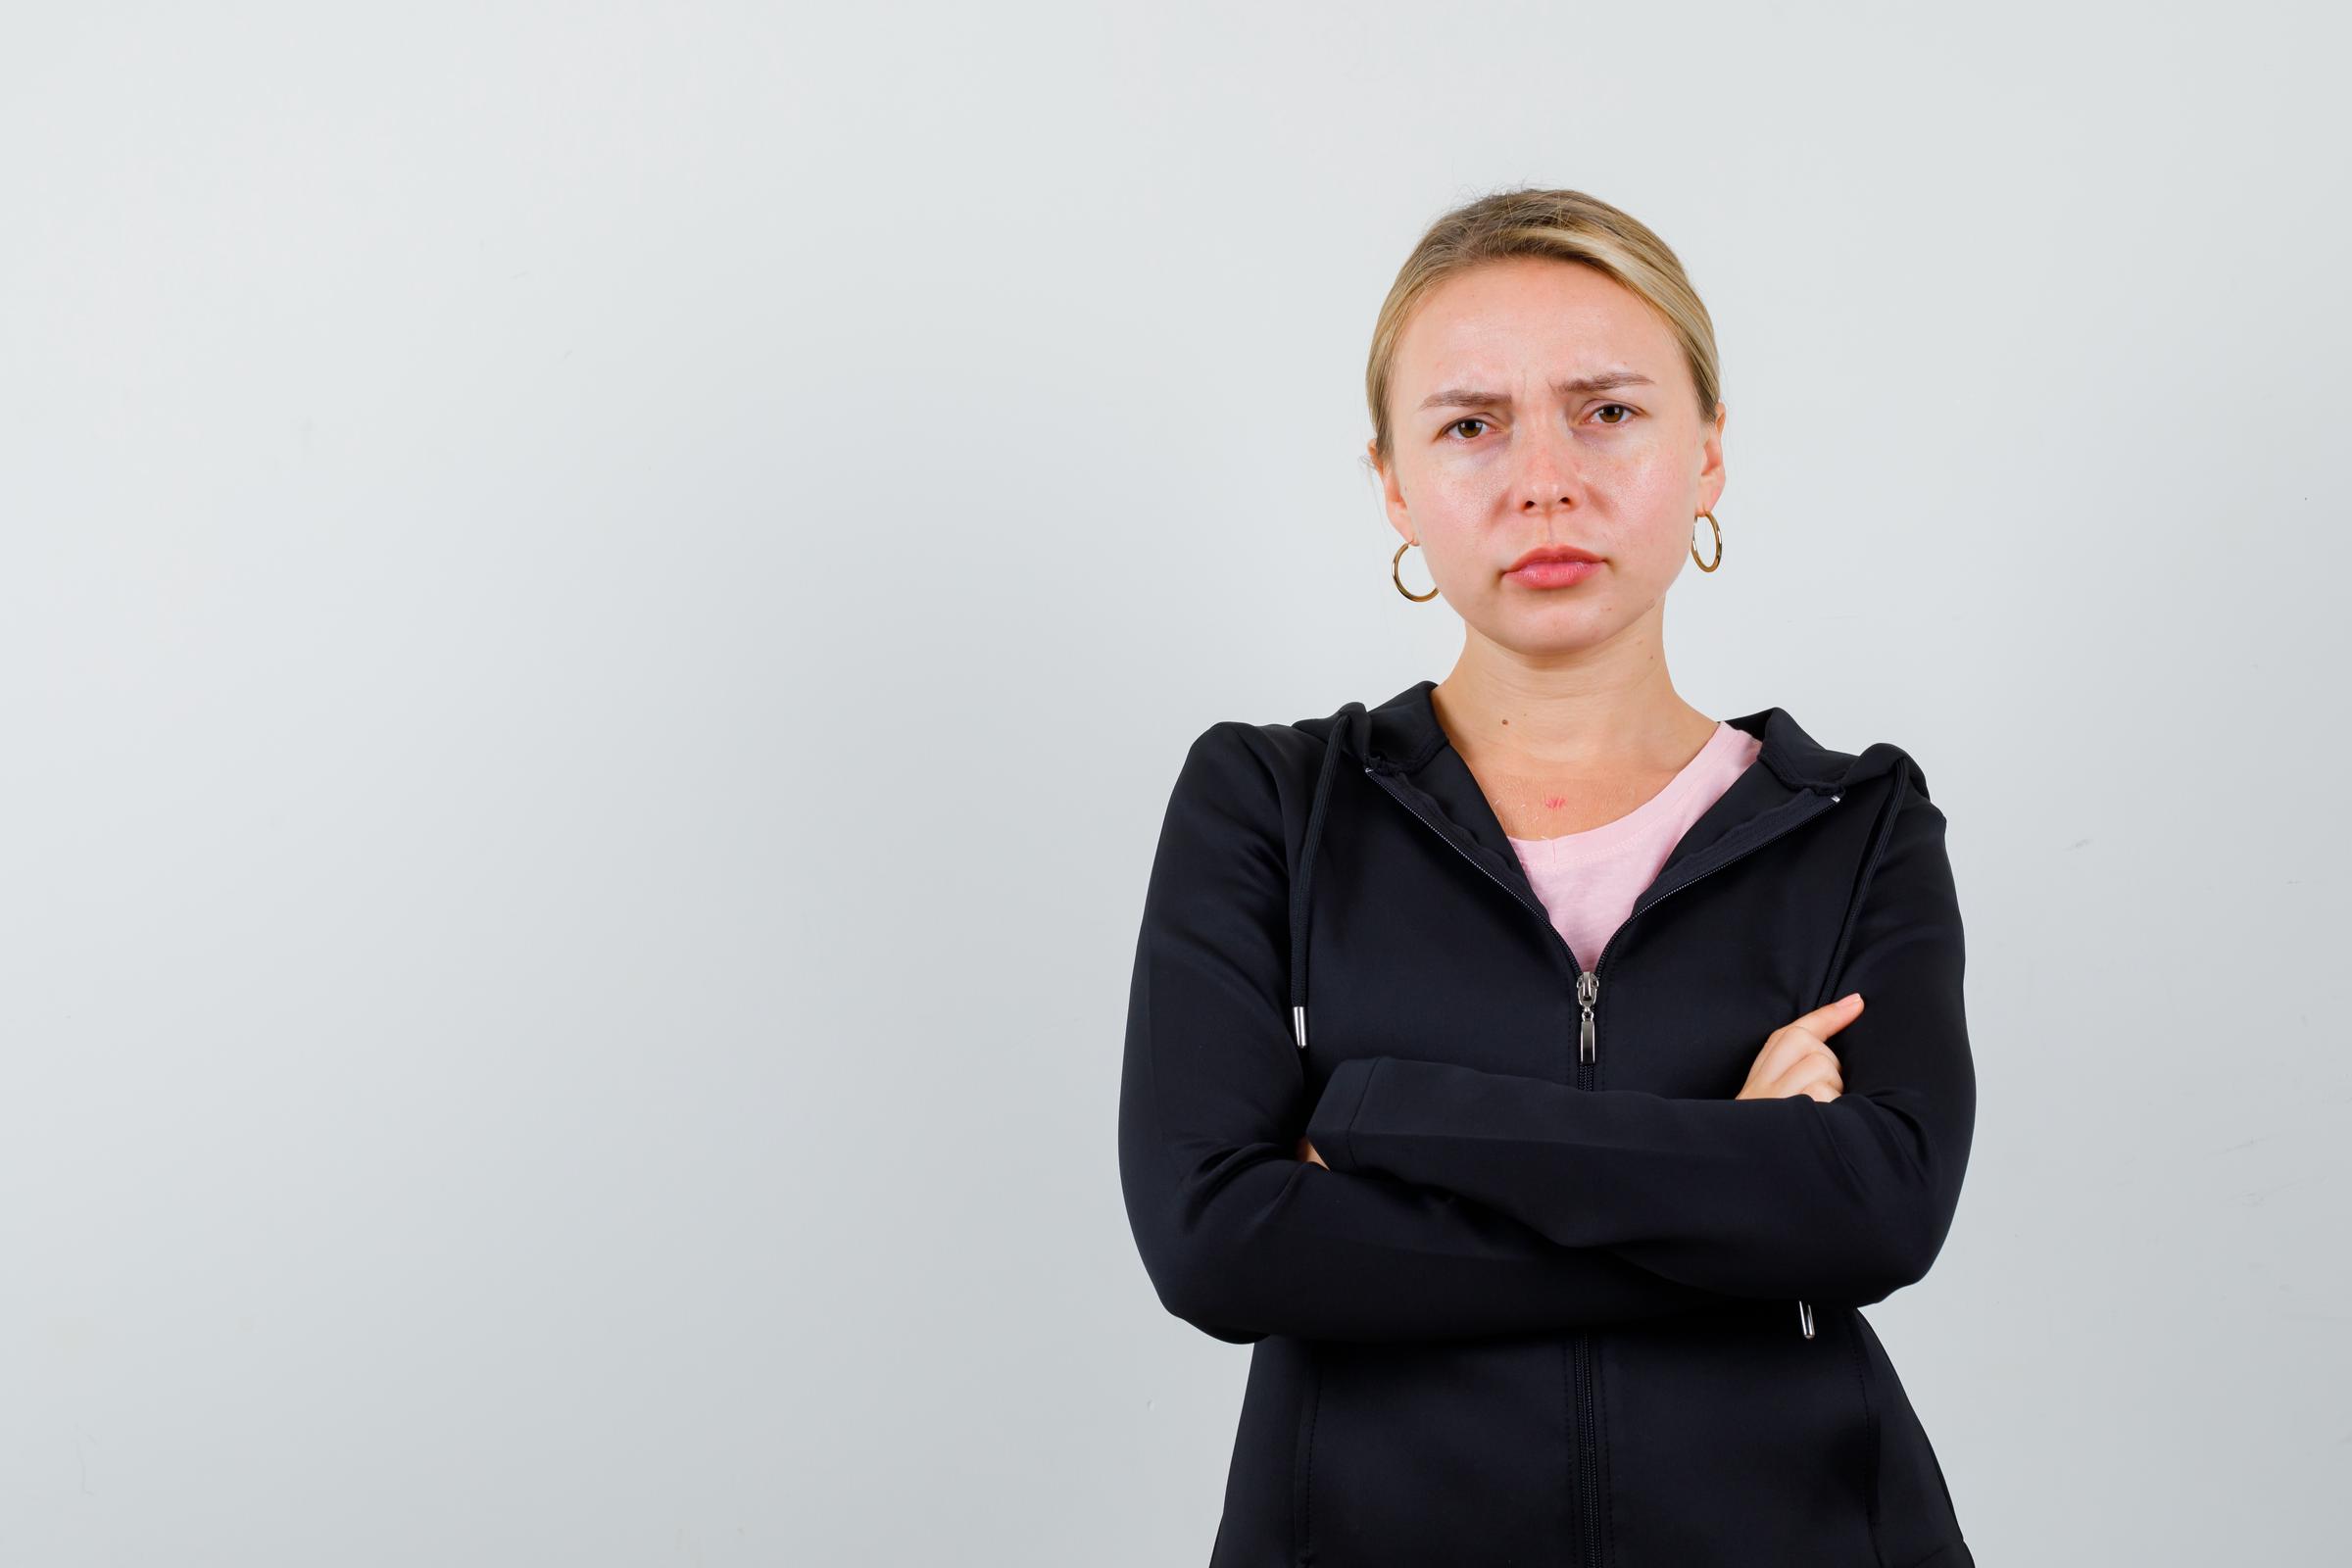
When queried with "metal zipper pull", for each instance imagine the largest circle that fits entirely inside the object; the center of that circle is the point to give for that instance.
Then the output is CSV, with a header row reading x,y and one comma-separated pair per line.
x,y
1804,1319
1587,991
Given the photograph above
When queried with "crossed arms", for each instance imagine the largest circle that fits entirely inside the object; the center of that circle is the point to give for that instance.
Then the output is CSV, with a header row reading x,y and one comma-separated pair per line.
x,y
1460,1203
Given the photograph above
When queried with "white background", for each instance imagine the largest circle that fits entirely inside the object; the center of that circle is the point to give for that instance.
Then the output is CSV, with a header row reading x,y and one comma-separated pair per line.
x,y
598,605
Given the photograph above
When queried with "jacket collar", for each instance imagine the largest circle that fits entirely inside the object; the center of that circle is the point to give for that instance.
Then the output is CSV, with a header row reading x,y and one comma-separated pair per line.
x,y
1401,741
1404,735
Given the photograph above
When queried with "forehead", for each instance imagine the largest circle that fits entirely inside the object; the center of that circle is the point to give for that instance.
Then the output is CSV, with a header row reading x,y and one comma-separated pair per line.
x,y
1526,318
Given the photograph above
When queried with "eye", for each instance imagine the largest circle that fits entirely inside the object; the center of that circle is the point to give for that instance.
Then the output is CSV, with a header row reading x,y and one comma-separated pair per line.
x,y
1458,423
1618,406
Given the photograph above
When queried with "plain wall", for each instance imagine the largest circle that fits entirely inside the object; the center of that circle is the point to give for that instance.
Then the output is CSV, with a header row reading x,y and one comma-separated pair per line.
x,y
598,605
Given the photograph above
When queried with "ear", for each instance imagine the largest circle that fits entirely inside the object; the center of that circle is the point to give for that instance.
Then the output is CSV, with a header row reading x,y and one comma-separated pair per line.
x,y
1392,499
1710,466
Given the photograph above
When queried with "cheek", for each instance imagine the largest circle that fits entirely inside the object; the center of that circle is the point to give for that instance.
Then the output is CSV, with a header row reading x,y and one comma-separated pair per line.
x,y
1653,534
1641,474
1665,539
1654,506
1458,489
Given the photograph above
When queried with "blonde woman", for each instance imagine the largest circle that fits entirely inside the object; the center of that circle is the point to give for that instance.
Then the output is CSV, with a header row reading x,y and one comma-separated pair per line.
x,y
1539,1073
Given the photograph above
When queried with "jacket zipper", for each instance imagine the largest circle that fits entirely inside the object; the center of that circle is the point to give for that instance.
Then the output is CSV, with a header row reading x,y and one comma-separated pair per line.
x,y
1588,981
1588,994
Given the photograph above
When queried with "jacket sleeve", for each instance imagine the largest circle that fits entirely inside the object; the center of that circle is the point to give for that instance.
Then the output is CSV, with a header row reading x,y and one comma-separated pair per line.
x,y
1241,1238
1846,1200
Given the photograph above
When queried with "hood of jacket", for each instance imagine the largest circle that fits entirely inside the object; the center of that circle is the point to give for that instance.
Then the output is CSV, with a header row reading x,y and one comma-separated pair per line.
x,y
1402,735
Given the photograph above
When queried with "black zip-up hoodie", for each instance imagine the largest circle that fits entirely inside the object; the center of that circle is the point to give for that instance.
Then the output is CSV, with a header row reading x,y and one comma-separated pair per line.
x,y
1561,1298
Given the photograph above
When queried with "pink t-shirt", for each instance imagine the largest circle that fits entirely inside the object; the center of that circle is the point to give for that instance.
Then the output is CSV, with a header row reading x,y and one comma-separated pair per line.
x,y
1588,881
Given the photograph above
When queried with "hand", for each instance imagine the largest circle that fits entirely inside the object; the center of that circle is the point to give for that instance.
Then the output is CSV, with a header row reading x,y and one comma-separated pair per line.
x,y
1795,1061
1306,1151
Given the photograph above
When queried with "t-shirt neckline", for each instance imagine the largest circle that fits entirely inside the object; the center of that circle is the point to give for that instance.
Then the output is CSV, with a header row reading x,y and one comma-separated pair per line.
x,y
1667,796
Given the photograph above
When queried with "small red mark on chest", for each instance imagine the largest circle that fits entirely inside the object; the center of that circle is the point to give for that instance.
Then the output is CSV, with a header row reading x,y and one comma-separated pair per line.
x,y
1556,802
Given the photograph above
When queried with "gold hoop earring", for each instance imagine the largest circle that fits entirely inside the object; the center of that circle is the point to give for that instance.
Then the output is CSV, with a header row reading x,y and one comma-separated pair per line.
x,y
1710,566
1397,577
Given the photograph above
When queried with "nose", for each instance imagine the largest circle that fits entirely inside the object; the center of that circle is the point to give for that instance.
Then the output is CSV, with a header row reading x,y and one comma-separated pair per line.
x,y
1546,480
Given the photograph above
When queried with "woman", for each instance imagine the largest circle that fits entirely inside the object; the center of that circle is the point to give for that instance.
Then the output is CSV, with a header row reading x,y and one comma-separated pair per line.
x,y
1550,1205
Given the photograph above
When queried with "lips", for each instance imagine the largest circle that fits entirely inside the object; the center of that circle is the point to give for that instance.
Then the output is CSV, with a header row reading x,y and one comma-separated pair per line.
x,y
1553,553
1553,567
1552,572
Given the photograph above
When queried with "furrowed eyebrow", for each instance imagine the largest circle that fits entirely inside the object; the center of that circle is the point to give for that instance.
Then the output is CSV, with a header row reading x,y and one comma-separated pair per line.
x,y
1462,397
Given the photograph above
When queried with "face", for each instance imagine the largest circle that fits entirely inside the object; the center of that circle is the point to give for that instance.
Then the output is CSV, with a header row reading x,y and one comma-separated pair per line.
x,y
1538,403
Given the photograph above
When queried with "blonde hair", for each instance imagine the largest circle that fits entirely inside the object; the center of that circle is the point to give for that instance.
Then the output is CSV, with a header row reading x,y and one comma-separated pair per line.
x,y
1565,226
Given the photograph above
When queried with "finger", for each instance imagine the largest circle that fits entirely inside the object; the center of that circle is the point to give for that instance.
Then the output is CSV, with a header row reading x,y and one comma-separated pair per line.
x,y
1787,1048
1831,1016
1817,1065
1780,1055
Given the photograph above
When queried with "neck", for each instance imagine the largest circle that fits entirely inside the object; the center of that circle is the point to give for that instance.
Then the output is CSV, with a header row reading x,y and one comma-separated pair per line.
x,y
1608,708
